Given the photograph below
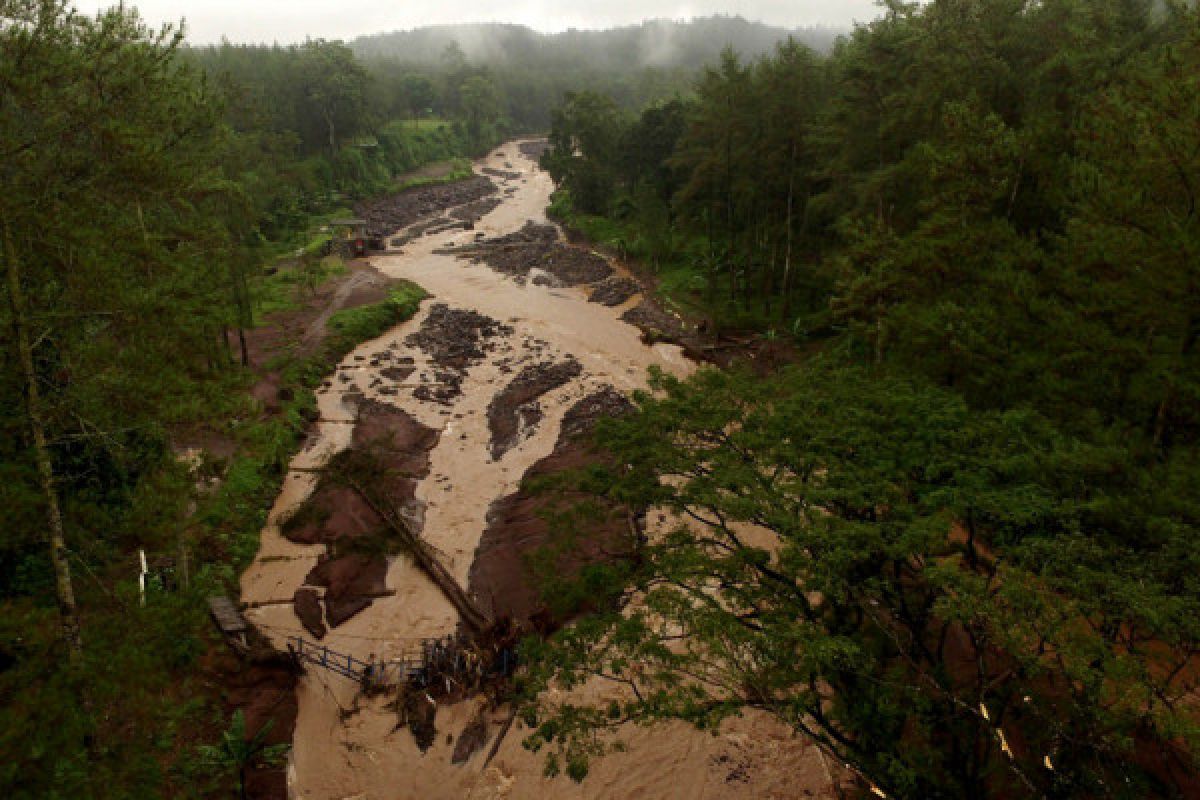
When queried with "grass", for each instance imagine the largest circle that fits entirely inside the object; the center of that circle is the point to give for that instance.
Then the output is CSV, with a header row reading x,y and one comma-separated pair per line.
x,y
428,124
349,327
452,170
281,291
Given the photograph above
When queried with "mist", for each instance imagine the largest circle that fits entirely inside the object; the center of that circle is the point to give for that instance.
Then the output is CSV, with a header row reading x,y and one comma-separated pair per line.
x,y
285,22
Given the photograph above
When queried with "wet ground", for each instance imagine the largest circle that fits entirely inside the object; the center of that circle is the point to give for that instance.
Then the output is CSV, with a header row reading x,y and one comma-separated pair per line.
x,y
498,375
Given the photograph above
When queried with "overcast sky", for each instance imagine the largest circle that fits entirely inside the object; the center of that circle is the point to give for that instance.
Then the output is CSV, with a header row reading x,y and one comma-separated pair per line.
x,y
292,20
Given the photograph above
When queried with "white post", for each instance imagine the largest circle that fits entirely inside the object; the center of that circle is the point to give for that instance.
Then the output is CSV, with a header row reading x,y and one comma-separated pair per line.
x,y
142,576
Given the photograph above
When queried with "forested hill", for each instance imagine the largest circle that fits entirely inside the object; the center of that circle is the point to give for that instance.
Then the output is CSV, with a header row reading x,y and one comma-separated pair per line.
x,y
654,43
978,224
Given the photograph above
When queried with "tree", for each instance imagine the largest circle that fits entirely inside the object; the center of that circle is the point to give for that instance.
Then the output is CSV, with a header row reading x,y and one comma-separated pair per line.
x,y
102,142
584,149
238,752
419,94
481,106
715,153
865,558
1132,243
335,84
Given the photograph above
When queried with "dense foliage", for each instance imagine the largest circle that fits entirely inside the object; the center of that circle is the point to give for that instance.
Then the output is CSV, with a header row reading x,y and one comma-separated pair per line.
x,y
146,190
956,546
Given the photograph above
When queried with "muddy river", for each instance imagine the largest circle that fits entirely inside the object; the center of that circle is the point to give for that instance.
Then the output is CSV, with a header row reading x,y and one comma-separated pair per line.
x,y
348,746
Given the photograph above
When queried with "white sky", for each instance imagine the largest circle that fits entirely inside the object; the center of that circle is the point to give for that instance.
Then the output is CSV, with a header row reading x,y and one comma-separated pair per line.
x,y
286,21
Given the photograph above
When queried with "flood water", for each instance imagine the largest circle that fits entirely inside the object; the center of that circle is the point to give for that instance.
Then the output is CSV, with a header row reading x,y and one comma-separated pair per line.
x,y
360,754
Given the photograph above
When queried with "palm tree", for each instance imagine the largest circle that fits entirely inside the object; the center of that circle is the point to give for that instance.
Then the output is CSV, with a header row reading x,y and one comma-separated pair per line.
x,y
236,752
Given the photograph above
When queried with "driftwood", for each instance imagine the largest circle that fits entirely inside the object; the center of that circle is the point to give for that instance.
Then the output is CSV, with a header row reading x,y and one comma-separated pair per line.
x,y
422,553
499,738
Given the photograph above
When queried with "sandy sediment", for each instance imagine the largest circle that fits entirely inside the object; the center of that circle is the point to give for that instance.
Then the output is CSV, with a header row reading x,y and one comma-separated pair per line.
x,y
349,746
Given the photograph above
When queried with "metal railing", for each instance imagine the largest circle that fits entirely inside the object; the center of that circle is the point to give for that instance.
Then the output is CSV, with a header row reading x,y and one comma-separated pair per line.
x,y
431,659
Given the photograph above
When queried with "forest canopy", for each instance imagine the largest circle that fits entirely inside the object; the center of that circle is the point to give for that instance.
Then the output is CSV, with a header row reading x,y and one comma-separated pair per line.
x,y
978,221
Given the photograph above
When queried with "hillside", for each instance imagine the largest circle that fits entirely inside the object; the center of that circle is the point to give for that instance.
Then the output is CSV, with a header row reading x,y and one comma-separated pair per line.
x,y
654,43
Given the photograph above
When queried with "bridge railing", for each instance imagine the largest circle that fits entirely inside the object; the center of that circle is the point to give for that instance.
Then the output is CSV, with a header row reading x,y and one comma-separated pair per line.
x,y
431,659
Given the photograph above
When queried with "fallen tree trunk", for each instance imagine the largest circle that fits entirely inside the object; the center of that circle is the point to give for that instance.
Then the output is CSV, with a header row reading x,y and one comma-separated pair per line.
x,y
424,557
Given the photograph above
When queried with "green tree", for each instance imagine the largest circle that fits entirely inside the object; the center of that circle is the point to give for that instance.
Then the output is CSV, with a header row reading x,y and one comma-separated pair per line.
x,y
481,107
584,149
1131,253
715,153
870,561
418,94
335,85
238,751
103,143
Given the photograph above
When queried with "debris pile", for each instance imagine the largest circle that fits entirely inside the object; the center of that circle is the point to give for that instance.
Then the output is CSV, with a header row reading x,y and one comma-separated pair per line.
x,y
454,339
386,215
514,412
656,325
536,247
614,291
534,150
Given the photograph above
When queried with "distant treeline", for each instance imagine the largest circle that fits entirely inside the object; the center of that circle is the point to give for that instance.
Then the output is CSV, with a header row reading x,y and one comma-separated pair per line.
x,y
312,120
531,70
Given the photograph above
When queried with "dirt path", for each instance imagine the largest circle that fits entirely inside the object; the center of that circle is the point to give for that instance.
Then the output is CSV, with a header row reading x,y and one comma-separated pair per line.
x,y
316,329
350,747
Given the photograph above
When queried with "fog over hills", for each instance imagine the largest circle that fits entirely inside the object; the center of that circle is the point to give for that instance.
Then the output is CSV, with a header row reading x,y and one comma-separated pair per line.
x,y
661,43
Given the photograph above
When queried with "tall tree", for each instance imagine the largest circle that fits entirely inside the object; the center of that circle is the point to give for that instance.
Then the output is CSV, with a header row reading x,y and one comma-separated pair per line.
x,y
103,136
481,107
335,84
584,142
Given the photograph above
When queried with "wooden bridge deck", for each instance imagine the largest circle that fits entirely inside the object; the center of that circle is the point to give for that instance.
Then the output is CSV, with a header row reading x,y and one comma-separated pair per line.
x,y
228,618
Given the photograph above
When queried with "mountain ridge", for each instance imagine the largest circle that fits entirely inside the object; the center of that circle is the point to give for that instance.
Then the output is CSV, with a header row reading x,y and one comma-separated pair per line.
x,y
688,44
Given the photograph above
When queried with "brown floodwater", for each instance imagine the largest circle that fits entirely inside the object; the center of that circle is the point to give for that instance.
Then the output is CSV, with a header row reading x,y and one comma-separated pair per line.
x,y
360,754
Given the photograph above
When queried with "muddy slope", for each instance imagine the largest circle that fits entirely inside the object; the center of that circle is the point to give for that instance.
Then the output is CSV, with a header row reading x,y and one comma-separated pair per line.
x,y
353,570
503,577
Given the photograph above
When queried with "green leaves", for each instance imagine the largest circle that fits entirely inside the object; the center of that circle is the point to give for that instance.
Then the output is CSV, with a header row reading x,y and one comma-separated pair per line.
x,y
239,750
865,557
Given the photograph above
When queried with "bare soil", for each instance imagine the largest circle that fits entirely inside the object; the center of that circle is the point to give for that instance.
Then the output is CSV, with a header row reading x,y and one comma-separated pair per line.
x,y
337,517
307,604
263,688
518,524
302,330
